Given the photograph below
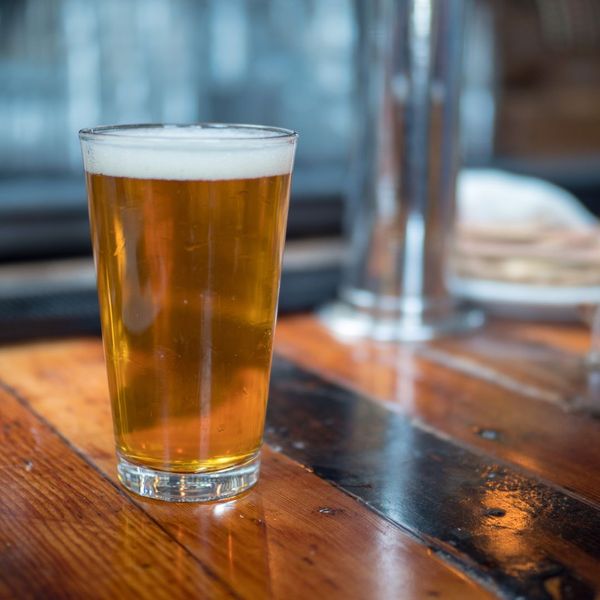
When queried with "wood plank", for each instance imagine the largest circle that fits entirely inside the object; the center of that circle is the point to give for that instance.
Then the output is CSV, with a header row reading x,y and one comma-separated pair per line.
x,y
295,536
505,527
66,532
505,423
569,337
539,361
529,360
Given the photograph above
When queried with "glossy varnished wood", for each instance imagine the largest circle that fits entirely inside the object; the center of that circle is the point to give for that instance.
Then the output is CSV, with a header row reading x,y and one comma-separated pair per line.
x,y
506,417
499,524
65,533
462,468
295,536
543,363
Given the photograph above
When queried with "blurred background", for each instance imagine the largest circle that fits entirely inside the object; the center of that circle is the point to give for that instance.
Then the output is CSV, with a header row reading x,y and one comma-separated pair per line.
x,y
530,105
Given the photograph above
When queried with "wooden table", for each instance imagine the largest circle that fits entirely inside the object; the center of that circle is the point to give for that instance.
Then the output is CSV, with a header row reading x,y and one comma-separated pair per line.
x,y
464,468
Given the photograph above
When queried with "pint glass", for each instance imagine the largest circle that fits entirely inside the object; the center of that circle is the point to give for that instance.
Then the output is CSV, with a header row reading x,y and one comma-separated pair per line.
x,y
188,226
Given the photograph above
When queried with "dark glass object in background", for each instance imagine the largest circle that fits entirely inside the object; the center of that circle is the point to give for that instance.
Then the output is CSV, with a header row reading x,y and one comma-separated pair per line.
x,y
532,83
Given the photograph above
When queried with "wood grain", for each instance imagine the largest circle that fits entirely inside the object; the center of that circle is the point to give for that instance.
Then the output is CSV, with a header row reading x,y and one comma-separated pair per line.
x,y
532,361
66,533
295,536
497,523
500,420
501,397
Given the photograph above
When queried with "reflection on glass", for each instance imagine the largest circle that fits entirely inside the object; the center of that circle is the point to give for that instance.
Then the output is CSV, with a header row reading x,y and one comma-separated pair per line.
x,y
188,225
404,175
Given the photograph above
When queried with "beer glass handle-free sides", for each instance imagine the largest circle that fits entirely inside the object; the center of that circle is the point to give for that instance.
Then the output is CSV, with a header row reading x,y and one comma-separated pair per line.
x,y
401,200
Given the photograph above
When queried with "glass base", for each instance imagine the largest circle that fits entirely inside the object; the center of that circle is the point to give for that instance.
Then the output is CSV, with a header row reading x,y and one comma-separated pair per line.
x,y
189,487
348,321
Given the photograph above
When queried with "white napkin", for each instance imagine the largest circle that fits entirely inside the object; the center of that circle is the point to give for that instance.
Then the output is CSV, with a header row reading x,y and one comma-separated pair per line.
x,y
494,197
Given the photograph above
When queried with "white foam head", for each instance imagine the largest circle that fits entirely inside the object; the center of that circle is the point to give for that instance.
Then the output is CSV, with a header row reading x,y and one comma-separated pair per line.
x,y
194,152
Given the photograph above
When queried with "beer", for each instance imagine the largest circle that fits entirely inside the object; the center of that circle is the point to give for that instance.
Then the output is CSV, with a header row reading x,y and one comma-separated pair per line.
x,y
188,247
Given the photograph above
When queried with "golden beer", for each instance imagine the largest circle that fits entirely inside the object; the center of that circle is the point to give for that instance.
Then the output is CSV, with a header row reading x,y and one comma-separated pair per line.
x,y
188,277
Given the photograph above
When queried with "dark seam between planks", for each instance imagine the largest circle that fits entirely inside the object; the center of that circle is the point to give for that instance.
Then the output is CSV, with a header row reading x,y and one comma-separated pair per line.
x,y
394,407
25,404
506,464
338,434
465,567
453,565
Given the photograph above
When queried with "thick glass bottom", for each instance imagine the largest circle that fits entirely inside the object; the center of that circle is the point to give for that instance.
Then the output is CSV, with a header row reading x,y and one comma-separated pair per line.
x,y
189,487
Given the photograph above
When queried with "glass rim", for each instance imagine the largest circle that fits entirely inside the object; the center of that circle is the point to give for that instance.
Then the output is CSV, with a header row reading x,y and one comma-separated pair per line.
x,y
119,133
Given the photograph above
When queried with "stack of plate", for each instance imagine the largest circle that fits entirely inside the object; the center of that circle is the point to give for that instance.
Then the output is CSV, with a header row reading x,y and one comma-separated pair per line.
x,y
522,242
